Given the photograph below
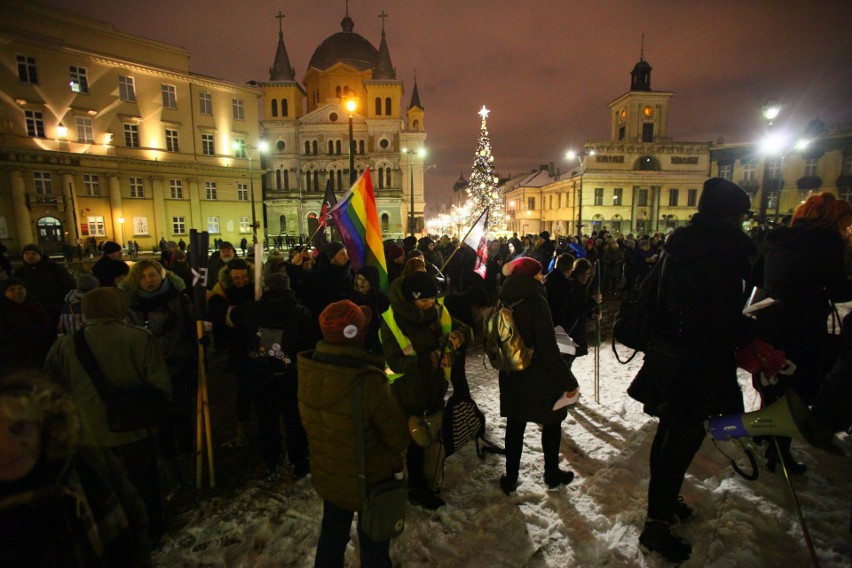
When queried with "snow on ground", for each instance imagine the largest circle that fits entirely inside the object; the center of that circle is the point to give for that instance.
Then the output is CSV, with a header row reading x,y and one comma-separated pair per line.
x,y
595,521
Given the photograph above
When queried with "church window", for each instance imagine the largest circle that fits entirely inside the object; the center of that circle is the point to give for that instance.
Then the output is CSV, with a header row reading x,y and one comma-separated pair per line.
x,y
337,146
307,147
415,125
307,181
360,146
286,180
314,147
280,145
378,106
278,179
285,108
340,179
385,222
338,91
388,176
316,181
274,107
388,106
331,147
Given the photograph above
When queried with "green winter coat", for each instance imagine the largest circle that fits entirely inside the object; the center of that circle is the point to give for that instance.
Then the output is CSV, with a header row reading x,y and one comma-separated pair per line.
x,y
327,379
128,356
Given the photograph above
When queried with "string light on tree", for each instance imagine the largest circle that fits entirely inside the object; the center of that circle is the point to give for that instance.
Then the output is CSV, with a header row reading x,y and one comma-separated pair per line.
x,y
482,188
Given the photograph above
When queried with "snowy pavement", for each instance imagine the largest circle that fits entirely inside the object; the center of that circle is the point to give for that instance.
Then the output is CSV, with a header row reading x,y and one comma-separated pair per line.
x,y
595,521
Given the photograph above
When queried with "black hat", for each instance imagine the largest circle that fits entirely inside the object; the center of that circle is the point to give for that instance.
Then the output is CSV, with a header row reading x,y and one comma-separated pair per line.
x,y
419,285
32,247
111,247
277,281
226,244
723,198
544,235
332,248
9,282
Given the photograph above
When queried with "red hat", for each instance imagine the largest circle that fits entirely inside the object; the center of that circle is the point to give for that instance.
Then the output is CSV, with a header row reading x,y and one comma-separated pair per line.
x,y
524,266
345,323
394,252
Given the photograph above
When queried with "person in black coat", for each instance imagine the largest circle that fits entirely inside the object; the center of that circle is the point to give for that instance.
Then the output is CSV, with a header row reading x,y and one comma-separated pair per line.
x,y
333,279
111,253
690,370
47,282
529,395
367,292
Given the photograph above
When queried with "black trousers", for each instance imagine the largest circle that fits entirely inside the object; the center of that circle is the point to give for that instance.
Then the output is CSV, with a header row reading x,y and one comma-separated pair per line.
x,y
334,537
140,461
673,449
277,398
551,437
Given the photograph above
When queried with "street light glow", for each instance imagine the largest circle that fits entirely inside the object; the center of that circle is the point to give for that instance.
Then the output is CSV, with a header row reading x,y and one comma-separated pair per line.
x,y
773,144
351,105
263,145
802,144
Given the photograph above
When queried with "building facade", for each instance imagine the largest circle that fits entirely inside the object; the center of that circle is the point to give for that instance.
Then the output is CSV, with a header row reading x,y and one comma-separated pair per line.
x,y
109,135
307,127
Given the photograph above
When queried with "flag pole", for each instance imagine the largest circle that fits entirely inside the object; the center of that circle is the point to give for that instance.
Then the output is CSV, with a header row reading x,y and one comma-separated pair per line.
x,y
446,262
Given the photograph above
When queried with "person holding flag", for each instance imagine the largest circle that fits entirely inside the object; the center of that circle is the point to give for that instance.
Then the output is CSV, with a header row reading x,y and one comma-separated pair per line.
x,y
328,201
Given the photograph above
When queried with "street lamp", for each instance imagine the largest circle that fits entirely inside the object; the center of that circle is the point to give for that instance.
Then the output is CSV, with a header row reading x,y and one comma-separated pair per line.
x,y
351,105
581,157
411,153
121,224
241,148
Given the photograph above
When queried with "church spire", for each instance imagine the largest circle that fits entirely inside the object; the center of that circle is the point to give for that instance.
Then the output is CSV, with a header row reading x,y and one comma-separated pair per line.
x,y
384,68
281,70
415,96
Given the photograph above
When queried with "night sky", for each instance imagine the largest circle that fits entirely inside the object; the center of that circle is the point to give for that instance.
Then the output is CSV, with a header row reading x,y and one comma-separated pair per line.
x,y
546,68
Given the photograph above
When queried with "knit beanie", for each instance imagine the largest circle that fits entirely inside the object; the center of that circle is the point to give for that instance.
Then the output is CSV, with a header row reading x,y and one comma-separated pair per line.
x,y
524,266
33,247
9,282
419,285
332,248
87,282
111,247
226,244
394,251
107,302
276,282
723,198
345,323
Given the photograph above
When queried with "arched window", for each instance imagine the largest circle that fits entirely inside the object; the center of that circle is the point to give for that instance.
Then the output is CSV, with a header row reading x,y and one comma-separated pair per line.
x,y
378,106
647,163
330,179
337,146
415,125
381,173
388,106
331,147
282,224
285,108
315,147
274,107
316,181
278,179
307,181
337,91
388,177
385,222
340,179
286,180
345,91
307,147
360,146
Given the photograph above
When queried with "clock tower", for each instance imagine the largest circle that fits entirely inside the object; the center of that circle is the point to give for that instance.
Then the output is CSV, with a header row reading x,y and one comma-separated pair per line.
x,y
641,115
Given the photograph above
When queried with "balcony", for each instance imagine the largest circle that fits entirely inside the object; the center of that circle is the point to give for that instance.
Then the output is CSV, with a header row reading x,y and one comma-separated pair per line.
x,y
38,200
808,183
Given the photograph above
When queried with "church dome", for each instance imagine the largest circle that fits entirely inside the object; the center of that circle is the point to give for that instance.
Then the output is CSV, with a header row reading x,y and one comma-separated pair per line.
x,y
345,47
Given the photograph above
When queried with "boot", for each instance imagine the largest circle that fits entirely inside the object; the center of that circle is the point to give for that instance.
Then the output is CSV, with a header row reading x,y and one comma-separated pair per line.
x,y
657,537
425,497
242,434
793,467
508,484
559,477
683,512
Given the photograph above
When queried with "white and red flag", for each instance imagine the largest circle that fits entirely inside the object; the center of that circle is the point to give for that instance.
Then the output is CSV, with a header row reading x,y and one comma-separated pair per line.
x,y
475,239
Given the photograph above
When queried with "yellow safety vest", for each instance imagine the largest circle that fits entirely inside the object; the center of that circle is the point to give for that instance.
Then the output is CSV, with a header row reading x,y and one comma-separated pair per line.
x,y
405,343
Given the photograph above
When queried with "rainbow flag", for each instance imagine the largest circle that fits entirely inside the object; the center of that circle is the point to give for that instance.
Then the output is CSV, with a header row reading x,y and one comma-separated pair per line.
x,y
358,223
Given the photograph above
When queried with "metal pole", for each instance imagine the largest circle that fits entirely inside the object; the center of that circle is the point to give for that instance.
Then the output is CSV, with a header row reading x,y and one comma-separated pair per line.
x,y
253,215
351,154
580,205
411,191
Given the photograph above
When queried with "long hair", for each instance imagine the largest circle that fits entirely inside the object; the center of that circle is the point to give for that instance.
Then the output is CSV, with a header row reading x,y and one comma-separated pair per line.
x,y
131,283
824,210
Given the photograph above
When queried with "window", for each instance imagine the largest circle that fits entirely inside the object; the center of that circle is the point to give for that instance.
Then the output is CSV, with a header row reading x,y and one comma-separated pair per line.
x,y
205,101
673,194
35,123
91,185
212,224
136,189
774,169
274,107
337,147
131,135
239,109
85,133
811,167
314,147
330,147
531,203
169,96
621,133
385,222
208,148
692,197
307,147
845,193
127,89
599,192
27,69
360,146
176,188
617,196
550,204
210,189
240,148
96,226
378,106
285,108
286,180
245,225
172,142
749,171
642,198
726,171
280,145
179,225
79,80
648,132
242,192
43,183
282,224
388,106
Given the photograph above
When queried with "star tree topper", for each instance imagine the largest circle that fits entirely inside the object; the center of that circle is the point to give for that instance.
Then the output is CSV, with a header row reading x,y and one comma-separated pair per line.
x,y
484,112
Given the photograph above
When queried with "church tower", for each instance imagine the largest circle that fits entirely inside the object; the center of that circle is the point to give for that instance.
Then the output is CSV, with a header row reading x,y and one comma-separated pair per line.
x,y
641,115
415,111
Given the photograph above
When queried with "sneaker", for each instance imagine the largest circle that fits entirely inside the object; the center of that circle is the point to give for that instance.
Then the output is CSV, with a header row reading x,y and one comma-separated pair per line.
x,y
426,498
657,537
508,485
557,478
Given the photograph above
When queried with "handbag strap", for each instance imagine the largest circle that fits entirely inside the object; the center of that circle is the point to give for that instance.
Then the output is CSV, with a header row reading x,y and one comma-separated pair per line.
x,y
357,401
90,364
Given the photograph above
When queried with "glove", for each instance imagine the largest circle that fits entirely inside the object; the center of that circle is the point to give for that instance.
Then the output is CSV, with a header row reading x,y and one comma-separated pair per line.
x,y
759,356
456,339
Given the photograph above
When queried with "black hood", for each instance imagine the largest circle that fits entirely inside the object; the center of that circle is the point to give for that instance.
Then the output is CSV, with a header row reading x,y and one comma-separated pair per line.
x,y
520,287
707,236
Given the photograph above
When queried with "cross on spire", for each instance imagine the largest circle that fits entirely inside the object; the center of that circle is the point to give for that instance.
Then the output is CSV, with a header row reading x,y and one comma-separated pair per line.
x,y
642,49
347,8
383,15
280,17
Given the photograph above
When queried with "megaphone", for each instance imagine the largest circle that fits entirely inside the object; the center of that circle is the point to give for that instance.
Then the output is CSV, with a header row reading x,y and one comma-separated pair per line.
x,y
424,429
784,417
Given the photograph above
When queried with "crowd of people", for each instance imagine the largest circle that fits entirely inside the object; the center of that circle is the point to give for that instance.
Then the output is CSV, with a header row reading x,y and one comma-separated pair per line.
x,y
300,348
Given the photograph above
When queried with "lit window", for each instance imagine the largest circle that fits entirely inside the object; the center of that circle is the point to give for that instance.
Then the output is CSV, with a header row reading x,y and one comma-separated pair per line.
x,y
245,225
749,171
172,142
617,196
96,226
205,103
811,167
91,185
240,150
176,188
85,132
169,96
208,147
79,80
210,189
136,189
179,225
774,169
131,135
599,195
43,183
212,224
242,192
27,72
239,109
35,123
726,171
127,89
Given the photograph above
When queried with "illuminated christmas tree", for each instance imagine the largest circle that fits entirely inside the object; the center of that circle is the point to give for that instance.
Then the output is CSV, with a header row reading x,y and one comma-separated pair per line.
x,y
482,188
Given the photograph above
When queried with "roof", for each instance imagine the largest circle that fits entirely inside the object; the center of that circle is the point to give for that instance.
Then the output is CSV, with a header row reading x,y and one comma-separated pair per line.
x,y
345,47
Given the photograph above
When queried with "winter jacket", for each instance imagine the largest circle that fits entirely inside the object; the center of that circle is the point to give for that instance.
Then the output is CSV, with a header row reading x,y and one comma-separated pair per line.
x,y
378,303
101,272
47,283
44,516
331,284
128,355
226,336
327,379
26,334
529,395
559,289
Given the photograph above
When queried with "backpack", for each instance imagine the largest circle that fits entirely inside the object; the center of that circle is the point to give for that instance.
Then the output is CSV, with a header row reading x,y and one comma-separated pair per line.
x,y
503,343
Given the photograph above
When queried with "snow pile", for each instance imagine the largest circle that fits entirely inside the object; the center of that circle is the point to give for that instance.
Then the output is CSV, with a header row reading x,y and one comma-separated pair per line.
x,y
595,521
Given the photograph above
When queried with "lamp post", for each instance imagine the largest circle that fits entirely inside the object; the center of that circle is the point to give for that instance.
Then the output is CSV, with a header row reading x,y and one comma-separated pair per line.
x,y
121,224
411,153
351,105
244,150
581,157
